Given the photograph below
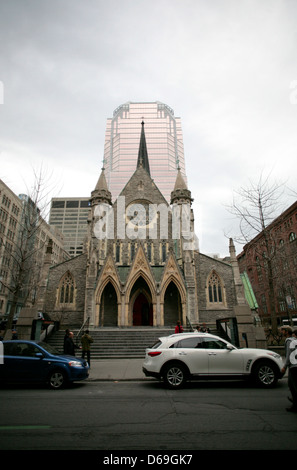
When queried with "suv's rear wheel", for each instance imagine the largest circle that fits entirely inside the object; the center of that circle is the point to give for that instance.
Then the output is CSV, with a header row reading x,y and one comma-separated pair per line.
x,y
175,375
265,374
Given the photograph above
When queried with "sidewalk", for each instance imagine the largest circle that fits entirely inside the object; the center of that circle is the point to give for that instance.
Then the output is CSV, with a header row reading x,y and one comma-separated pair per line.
x,y
116,369
119,369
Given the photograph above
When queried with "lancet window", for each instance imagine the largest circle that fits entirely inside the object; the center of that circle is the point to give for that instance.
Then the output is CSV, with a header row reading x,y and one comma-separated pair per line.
x,y
67,290
215,289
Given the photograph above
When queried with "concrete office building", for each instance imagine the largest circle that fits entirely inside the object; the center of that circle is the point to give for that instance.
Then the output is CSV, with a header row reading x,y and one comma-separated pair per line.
x,y
164,142
23,243
70,216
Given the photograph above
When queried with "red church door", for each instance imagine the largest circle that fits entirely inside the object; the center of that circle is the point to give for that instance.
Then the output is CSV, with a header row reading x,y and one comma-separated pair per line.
x,y
142,311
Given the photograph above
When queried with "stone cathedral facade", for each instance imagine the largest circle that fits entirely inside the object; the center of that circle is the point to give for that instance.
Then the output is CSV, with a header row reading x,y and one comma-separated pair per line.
x,y
141,265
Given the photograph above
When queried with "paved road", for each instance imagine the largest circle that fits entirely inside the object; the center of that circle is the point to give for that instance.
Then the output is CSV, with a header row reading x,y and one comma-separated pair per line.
x,y
144,415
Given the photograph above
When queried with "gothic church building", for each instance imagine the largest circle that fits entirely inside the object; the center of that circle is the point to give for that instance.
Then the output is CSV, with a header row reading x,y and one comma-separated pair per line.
x,y
141,269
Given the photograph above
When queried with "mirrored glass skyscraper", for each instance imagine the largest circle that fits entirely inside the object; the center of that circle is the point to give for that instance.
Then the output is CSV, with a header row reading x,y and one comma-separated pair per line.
x,y
164,142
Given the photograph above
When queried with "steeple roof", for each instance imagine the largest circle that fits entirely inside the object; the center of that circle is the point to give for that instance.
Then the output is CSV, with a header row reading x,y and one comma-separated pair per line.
x,y
142,152
101,192
179,182
101,184
180,192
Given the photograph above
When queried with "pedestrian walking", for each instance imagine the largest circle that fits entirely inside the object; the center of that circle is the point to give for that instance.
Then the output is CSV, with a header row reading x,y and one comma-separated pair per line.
x,y
291,364
86,341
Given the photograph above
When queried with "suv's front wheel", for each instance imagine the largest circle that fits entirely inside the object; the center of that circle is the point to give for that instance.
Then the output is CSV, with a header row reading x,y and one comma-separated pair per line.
x,y
175,375
265,374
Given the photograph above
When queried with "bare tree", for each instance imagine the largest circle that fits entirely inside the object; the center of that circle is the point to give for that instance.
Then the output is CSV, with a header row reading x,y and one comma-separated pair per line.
x,y
256,207
25,251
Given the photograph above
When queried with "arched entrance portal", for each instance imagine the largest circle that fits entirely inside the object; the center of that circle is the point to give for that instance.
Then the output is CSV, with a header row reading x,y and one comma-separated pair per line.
x,y
141,304
109,307
142,311
172,305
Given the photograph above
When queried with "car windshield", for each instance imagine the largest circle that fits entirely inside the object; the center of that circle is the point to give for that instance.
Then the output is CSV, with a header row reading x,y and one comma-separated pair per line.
x,y
50,349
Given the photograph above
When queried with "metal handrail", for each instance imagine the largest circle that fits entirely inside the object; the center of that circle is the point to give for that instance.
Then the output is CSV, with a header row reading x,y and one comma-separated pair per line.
x,y
81,328
189,323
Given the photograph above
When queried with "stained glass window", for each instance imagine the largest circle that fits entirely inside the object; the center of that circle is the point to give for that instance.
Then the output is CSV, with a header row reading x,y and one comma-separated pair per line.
x,y
67,290
214,288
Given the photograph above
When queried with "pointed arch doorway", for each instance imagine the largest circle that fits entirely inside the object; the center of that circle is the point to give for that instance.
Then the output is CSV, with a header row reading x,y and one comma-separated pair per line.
x,y
141,304
172,305
108,315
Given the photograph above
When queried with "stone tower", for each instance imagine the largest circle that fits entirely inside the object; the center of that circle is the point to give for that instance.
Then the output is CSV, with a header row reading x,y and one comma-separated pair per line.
x,y
185,241
96,246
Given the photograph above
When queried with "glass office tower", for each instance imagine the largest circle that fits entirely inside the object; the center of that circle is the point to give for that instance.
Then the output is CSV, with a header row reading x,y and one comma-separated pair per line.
x,y
164,142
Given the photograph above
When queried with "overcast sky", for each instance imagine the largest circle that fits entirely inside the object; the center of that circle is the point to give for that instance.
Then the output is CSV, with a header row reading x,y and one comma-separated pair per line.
x,y
228,68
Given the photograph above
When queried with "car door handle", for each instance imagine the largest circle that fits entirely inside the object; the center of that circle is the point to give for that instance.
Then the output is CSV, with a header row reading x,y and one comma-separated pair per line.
x,y
182,353
212,354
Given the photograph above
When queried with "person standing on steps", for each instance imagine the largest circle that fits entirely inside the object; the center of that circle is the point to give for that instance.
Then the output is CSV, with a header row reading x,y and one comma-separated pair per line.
x,y
179,328
65,337
86,341
70,347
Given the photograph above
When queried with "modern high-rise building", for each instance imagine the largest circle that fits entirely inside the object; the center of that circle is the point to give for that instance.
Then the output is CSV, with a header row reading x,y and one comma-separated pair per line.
x,y
70,216
164,142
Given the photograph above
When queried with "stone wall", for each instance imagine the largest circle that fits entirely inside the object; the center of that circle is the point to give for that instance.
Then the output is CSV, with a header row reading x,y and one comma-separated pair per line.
x,y
204,266
69,315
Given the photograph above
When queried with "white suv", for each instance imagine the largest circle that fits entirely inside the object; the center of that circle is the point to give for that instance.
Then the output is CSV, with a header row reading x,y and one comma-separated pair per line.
x,y
185,356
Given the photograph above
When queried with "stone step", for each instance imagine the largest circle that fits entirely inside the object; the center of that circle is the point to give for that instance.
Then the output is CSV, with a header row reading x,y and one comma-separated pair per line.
x,y
116,343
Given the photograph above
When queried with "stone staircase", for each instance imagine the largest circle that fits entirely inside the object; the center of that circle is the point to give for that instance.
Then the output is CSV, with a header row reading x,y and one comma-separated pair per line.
x,y
116,342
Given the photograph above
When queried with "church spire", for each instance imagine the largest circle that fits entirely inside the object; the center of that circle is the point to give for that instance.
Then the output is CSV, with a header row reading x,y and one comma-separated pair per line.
x,y
142,153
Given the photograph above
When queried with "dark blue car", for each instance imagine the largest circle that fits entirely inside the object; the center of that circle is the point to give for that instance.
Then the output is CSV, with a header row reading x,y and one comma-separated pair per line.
x,y
32,362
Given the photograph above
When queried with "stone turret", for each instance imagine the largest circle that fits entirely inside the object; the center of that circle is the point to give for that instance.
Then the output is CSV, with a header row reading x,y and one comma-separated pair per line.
x,y
181,193
181,201
101,194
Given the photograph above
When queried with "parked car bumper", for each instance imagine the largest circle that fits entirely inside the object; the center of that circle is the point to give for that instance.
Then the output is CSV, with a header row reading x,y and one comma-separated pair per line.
x,y
148,373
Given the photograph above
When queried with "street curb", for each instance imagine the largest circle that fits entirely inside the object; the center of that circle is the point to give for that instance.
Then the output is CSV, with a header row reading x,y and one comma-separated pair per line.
x,y
119,380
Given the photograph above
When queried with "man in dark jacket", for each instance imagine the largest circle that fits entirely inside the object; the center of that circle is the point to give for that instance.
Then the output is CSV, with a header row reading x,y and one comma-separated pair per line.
x,y
69,346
